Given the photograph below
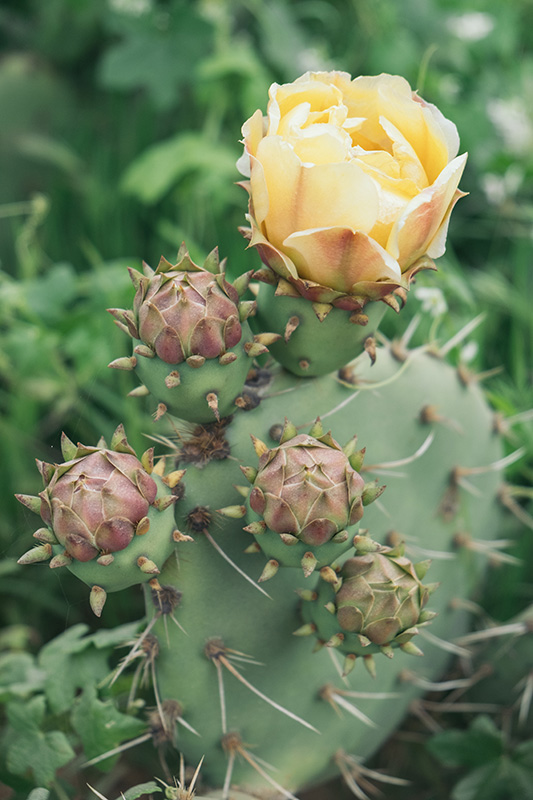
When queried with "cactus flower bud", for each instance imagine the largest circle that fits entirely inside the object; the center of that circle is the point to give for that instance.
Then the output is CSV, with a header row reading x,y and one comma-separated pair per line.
x,y
106,516
376,605
192,339
306,493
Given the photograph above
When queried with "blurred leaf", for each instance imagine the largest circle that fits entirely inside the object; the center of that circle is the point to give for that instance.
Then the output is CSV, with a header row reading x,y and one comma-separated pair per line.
x,y
500,780
31,749
101,726
139,791
19,676
159,58
482,743
160,167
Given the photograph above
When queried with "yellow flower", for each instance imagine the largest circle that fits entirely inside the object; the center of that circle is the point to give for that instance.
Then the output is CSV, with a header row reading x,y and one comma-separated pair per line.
x,y
351,185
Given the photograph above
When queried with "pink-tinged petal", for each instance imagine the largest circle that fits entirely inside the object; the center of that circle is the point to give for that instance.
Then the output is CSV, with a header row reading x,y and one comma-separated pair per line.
x,y
151,322
279,516
269,254
115,534
257,500
318,532
66,522
232,332
168,346
79,548
340,257
417,227
208,338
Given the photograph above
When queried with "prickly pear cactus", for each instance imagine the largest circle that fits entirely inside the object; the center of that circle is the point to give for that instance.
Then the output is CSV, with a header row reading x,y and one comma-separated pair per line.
x,y
301,588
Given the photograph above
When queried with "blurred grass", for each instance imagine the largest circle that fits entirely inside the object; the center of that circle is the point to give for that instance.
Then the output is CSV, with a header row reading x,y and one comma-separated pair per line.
x,y
121,125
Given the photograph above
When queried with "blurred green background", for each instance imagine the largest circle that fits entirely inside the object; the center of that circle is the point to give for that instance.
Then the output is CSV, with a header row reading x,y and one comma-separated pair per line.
x,y
119,135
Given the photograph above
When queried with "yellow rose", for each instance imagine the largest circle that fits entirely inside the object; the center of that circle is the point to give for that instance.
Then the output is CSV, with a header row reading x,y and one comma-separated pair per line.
x,y
351,185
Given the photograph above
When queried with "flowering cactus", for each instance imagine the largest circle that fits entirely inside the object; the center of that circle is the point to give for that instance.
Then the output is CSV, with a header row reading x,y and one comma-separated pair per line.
x,y
351,186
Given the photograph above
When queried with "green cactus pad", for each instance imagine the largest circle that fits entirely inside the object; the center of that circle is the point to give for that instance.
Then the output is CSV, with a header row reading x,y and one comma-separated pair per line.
x,y
314,347
423,504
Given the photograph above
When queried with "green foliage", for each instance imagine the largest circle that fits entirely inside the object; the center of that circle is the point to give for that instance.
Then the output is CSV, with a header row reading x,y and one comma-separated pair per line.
x,y
496,769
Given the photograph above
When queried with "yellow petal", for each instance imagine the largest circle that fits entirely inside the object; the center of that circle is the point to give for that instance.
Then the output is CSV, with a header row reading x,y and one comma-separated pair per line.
x,y
339,257
423,217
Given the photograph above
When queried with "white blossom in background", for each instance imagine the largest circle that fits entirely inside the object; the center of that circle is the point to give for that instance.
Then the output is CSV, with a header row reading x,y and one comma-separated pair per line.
x,y
469,352
471,26
133,8
499,188
511,120
432,300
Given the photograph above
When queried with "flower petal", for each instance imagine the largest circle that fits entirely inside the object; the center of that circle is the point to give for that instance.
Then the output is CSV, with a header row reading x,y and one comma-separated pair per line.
x,y
340,257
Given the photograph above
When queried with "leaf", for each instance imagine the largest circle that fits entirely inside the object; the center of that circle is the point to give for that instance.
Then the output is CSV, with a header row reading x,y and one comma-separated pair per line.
x,y
140,790
19,676
482,743
101,726
159,55
31,749
39,794
160,167
500,780
70,665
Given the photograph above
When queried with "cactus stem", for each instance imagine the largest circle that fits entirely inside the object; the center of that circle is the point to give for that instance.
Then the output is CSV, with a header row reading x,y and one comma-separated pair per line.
x,y
97,599
271,568
212,402
217,652
232,563
290,327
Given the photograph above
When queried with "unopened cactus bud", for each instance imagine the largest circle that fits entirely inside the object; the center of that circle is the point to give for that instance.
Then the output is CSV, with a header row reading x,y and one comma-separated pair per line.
x,y
106,517
377,604
192,341
306,493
